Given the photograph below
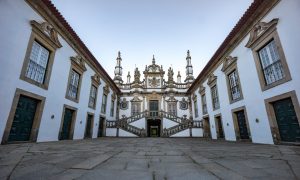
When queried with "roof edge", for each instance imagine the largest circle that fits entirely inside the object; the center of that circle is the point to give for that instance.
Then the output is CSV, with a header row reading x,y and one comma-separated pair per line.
x,y
249,18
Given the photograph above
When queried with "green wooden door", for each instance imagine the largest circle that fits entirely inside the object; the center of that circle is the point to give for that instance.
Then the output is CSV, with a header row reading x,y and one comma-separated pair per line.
x,y
242,125
287,120
23,119
220,127
66,128
101,127
88,128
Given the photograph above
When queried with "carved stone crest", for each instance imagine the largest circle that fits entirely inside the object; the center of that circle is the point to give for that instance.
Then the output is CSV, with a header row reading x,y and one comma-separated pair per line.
x,y
154,82
47,30
259,29
124,104
183,104
228,61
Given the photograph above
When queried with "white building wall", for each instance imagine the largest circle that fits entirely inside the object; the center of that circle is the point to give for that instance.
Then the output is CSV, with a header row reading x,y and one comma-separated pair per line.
x,y
111,132
16,31
139,123
168,123
185,133
123,133
287,28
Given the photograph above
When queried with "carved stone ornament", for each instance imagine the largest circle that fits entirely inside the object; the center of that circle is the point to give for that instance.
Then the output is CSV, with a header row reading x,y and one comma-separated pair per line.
x,y
113,96
228,61
124,104
78,62
136,99
170,75
259,29
154,69
96,79
201,89
211,79
194,97
183,104
47,30
171,99
137,75
154,82
106,89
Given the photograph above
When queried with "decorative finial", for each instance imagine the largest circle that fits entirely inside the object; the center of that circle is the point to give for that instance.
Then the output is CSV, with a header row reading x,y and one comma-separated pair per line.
x,y
178,74
119,54
128,73
153,59
188,53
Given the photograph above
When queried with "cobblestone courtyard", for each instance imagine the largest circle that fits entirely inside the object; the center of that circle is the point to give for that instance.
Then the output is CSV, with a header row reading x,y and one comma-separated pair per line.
x,y
148,158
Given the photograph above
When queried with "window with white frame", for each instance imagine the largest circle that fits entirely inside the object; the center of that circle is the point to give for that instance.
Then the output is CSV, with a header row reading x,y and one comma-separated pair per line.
x,y
172,108
204,105
215,98
38,61
112,108
196,108
104,102
271,63
234,85
74,84
135,108
93,94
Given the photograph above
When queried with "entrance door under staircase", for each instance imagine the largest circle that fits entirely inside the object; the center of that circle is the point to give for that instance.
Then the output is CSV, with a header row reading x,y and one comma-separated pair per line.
x,y
153,128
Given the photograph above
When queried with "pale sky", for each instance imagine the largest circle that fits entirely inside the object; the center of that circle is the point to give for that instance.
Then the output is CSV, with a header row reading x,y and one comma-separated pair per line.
x,y
141,28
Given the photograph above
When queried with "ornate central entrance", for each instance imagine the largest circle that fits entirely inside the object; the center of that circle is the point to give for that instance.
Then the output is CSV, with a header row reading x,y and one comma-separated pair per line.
x,y
153,128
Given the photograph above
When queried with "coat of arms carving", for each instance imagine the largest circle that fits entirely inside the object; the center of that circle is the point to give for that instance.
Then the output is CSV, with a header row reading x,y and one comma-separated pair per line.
x,y
154,82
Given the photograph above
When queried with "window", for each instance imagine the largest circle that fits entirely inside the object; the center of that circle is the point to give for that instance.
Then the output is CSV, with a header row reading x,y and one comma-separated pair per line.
x,y
76,72
234,86
135,108
204,106
93,96
104,101
196,108
38,61
39,56
271,64
112,108
172,108
215,98
73,85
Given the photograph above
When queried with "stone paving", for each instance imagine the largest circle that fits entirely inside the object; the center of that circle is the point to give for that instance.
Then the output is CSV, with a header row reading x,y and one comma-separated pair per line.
x,y
148,158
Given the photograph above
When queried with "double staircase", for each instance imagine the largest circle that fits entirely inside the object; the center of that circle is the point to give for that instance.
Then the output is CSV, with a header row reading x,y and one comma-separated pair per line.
x,y
183,123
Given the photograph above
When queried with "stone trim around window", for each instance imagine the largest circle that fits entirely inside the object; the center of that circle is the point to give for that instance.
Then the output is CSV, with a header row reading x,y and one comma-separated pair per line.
x,y
37,117
45,35
78,65
95,82
212,81
106,89
271,113
71,133
229,66
201,90
260,36
235,122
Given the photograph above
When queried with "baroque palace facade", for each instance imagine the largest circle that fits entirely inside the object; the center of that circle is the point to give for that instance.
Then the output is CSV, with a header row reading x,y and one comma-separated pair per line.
x,y
52,87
